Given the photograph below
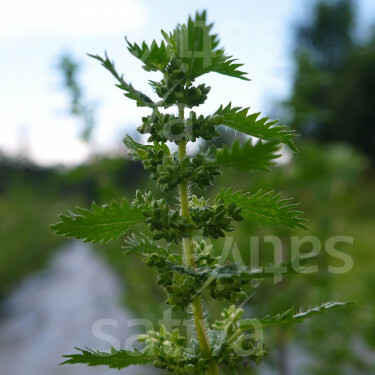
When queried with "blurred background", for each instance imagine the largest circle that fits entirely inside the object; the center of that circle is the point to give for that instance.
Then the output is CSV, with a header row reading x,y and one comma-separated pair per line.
x,y
312,64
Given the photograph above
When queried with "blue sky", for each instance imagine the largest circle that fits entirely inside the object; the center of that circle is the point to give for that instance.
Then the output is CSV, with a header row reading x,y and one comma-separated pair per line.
x,y
33,34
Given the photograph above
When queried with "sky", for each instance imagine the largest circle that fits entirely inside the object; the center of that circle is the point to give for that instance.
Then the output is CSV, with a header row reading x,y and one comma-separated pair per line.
x,y
34,34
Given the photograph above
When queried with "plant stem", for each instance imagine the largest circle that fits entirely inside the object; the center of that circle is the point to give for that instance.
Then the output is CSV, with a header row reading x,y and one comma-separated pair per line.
x,y
188,248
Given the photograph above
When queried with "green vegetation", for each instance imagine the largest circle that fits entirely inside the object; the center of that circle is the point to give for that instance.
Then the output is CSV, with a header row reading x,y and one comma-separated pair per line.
x,y
332,182
79,106
190,272
333,89
31,196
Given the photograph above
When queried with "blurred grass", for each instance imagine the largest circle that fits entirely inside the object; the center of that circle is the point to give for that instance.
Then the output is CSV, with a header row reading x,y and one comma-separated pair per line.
x,y
333,184
25,238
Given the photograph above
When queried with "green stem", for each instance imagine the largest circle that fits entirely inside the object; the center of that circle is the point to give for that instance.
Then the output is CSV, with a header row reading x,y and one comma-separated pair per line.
x,y
188,248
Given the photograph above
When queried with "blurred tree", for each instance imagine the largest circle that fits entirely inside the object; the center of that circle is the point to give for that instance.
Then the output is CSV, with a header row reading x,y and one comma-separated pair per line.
x,y
328,40
78,104
334,85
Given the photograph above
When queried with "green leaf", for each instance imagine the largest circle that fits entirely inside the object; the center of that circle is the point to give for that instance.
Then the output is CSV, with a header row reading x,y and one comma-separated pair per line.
x,y
238,118
100,224
130,92
139,150
264,209
206,276
249,273
197,49
248,157
154,58
115,359
291,317
142,244
228,67
235,270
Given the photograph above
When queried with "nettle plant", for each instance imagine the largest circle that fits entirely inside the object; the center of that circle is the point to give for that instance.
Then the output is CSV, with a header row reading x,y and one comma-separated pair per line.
x,y
232,343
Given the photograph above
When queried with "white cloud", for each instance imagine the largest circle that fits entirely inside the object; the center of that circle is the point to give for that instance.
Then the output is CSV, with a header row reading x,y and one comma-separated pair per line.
x,y
78,17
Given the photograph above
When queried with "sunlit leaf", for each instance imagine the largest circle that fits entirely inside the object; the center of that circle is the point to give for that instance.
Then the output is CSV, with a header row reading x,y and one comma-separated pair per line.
x,y
264,208
154,57
130,92
197,48
291,316
238,118
249,157
101,223
115,359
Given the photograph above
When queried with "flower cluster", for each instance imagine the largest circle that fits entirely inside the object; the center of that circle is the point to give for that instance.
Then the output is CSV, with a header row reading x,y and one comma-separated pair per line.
x,y
176,88
230,345
204,171
171,352
169,171
215,220
167,223
163,222
182,285
168,127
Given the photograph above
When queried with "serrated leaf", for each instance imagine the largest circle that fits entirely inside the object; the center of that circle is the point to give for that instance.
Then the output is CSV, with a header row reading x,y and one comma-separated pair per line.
x,y
238,271
197,48
141,244
138,150
264,208
290,316
248,157
234,270
101,224
115,359
238,118
154,57
130,92
229,67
